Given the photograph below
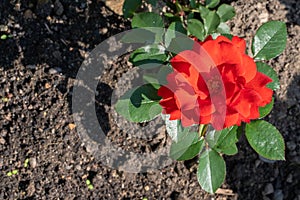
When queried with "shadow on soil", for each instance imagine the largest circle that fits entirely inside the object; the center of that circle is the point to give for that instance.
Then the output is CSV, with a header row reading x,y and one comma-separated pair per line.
x,y
293,8
56,35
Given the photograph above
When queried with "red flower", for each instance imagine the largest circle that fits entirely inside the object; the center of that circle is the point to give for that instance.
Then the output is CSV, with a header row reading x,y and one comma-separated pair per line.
x,y
215,83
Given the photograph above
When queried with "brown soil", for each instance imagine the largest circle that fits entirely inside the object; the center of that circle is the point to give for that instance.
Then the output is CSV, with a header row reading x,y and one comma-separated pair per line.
x,y
38,65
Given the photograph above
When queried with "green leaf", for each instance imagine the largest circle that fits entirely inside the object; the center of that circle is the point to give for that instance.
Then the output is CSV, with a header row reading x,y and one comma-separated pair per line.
x,y
264,111
211,3
130,6
140,104
203,11
229,36
150,78
171,127
223,28
164,71
187,147
139,36
180,44
148,57
171,18
269,41
193,3
174,30
229,150
267,70
211,170
225,12
196,28
211,22
223,141
147,19
265,139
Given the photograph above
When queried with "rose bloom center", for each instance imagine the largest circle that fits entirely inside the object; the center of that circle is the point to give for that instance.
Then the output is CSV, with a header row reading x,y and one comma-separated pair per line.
x,y
214,85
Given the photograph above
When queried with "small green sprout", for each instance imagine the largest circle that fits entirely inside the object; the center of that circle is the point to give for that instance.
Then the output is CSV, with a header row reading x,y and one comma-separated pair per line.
x,y
89,184
26,162
4,37
90,187
13,172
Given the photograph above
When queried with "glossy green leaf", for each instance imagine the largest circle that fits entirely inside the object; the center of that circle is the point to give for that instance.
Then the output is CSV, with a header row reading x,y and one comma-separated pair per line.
x,y
172,18
203,11
269,40
211,22
171,127
139,36
193,3
140,104
196,28
223,28
174,30
264,111
211,170
226,12
187,147
130,6
164,71
180,44
148,57
150,78
211,3
265,139
147,19
229,150
267,70
223,141
229,36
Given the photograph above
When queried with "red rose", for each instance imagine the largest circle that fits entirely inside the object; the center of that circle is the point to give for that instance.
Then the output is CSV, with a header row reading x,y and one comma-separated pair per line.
x,y
215,83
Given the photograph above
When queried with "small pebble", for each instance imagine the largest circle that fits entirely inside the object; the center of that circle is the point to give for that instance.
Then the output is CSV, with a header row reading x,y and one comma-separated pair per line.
x,y
47,85
103,31
28,14
2,140
269,189
71,126
59,9
3,28
55,70
289,178
31,66
291,145
33,162
147,188
278,195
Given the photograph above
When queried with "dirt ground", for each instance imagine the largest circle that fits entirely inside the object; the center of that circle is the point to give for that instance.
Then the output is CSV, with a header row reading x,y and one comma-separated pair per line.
x,y
48,41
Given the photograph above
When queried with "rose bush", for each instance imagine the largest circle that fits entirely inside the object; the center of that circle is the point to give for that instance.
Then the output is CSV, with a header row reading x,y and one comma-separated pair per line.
x,y
222,88
191,80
